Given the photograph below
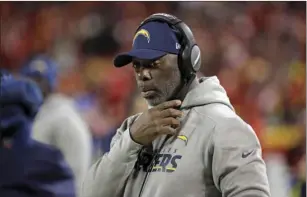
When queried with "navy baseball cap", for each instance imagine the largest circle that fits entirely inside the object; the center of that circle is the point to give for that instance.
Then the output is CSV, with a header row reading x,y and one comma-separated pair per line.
x,y
152,41
41,66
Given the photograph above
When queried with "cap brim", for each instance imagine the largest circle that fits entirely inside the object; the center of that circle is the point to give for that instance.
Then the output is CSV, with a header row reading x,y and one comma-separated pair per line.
x,y
146,54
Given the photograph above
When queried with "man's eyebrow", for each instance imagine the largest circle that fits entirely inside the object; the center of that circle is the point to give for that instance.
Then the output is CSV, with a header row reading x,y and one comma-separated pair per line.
x,y
160,60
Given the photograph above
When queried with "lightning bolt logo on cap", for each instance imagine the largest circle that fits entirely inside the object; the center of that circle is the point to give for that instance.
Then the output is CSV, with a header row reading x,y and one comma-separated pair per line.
x,y
144,33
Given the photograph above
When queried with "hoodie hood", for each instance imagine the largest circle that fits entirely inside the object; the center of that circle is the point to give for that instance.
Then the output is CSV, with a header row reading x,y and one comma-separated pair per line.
x,y
208,91
20,101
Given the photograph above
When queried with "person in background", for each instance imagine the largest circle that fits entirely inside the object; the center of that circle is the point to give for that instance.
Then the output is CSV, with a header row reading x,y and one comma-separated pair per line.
x,y
110,107
58,123
28,168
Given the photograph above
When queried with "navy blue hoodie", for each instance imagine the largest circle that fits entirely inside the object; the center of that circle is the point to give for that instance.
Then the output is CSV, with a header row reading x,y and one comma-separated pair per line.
x,y
27,167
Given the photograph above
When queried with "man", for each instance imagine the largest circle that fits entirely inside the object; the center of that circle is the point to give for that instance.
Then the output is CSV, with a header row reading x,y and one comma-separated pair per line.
x,y
58,122
190,142
27,168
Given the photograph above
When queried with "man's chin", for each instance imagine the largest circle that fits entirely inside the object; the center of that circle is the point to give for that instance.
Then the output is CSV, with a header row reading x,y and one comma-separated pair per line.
x,y
154,101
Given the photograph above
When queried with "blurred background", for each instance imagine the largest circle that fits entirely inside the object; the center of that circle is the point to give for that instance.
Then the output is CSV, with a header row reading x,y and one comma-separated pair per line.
x,y
257,49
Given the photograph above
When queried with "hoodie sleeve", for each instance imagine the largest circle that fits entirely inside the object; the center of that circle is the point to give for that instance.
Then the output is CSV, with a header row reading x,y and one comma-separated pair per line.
x,y
108,175
237,165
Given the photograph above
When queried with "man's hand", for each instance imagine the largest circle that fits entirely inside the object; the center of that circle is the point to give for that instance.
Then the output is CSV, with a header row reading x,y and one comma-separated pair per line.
x,y
159,120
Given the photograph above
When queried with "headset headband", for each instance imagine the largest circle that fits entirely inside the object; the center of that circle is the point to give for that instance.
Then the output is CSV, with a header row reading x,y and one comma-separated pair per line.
x,y
175,22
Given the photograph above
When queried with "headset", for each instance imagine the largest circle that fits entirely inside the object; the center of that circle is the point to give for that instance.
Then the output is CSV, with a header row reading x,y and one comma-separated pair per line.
x,y
189,60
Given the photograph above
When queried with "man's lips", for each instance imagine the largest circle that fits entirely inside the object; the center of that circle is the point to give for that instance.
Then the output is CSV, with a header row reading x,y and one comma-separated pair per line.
x,y
147,89
144,88
149,93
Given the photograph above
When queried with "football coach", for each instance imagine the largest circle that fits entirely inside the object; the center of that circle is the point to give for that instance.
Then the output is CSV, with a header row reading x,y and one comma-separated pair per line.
x,y
190,142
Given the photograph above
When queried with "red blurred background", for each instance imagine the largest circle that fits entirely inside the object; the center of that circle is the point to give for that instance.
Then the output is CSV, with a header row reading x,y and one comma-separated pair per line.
x,y
257,49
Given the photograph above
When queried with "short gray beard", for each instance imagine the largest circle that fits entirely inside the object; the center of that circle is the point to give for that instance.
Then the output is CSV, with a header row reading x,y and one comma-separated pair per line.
x,y
169,89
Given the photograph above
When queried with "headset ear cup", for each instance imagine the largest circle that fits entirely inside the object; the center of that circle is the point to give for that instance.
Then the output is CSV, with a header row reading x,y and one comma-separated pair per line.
x,y
184,65
195,58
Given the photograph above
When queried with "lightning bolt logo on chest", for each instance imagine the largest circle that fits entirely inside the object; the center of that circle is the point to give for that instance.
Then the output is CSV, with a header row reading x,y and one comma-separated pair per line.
x,y
183,138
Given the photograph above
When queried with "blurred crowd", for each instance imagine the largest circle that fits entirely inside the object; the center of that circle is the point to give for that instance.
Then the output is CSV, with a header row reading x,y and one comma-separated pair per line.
x,y
257,49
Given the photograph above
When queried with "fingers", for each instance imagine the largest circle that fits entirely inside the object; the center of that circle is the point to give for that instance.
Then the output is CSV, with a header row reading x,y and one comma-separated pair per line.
x,y
165,130
169,122
164,118
167,126
171,113
169,104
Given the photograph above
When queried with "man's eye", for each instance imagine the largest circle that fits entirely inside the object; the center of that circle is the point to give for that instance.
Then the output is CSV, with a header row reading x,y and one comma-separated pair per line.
x,y
154,64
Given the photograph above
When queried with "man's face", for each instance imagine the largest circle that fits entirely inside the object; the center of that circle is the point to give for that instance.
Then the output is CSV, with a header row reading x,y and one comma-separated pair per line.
x,y
157,80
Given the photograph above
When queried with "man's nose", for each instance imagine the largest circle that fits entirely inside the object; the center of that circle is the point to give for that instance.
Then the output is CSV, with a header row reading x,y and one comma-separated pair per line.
x,y
144,74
